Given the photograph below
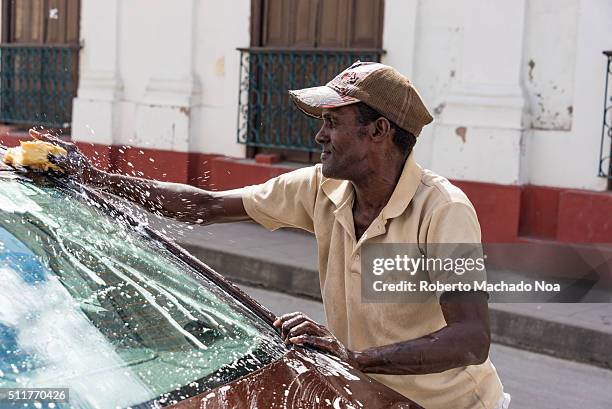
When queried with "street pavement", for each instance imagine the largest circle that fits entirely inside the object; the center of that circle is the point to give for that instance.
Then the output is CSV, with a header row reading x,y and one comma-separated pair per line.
x,y
535,381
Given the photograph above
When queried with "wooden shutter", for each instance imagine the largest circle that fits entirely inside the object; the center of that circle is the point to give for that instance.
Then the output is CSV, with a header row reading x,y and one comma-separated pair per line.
x,y
62,22
333,24
365,27
26,21
317,23
303,23
41,21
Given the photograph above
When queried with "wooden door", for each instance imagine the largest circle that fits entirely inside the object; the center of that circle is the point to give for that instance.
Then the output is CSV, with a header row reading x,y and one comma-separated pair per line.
x,y
311,25
317,23
41,21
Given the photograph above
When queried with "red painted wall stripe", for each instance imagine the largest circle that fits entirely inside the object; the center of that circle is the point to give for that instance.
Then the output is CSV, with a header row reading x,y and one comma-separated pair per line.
x,y
507,213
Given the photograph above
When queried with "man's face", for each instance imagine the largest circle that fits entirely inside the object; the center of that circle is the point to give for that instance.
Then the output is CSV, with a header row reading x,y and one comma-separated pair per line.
x,y
344,143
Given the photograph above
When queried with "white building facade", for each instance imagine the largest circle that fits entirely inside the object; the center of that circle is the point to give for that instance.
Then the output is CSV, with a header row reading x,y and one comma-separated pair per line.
x,y
516,88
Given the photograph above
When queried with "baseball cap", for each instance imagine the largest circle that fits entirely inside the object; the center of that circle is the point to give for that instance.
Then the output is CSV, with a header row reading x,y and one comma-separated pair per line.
x,y
378,85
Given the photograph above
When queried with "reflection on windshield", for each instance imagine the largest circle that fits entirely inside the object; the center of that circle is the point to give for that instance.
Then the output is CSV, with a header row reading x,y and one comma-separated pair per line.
x,y
90,304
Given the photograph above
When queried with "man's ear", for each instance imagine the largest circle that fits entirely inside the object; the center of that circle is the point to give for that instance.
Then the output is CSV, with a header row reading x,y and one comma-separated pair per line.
x,y
382,128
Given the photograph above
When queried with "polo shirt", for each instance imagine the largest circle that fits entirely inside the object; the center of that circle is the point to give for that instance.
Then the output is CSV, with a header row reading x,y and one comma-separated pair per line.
x,y
423,208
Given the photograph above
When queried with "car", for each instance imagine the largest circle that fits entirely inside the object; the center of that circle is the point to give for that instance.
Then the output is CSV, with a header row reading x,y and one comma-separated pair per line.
x,y
95,301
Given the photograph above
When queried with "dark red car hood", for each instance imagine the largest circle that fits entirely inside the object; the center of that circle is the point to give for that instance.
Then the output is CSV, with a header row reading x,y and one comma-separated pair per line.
x,y
301,379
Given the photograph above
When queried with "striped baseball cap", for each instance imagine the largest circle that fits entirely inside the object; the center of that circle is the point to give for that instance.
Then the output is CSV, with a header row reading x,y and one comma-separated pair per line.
x,y
379,86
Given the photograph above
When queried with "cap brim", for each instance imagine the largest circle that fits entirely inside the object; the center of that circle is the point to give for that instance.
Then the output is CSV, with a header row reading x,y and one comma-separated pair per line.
x,y
313,100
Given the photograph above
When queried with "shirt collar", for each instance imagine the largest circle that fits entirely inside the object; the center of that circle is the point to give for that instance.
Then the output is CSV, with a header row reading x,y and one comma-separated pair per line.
x,y
339,191
404,190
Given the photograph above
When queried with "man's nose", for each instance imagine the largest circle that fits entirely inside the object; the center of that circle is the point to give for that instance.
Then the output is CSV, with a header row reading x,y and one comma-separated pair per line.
x,y
321,137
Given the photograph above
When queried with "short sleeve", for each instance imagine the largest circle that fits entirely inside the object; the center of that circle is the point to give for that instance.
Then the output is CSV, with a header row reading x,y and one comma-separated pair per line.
x,y
284,201
453,240
454,222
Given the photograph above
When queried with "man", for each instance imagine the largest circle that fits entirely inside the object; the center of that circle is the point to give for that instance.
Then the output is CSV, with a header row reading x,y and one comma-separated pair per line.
x,y
368,189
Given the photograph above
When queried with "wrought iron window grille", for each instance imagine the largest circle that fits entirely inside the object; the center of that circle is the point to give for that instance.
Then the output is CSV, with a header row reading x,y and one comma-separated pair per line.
x,y
38,83
266,116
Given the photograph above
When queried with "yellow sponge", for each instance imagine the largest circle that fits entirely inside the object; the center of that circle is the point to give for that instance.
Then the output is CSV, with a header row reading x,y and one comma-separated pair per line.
x,y
33,154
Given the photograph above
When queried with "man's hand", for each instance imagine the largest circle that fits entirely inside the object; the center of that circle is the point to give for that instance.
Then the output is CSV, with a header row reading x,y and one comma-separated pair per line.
x,y
298,329
74,163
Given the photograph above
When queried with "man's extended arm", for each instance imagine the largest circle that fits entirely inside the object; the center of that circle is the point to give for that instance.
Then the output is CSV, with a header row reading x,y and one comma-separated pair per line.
x,y
465,340
175,200
178,201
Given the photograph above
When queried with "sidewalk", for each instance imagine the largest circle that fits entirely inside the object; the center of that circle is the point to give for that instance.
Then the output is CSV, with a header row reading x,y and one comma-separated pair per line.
x,y
286,261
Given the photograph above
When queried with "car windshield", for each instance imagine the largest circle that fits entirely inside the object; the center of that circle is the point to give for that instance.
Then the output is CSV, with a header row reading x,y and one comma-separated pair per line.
x,y
90,303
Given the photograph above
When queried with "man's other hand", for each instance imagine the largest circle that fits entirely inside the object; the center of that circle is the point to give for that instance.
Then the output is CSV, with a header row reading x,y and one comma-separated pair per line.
x,y
74,163
296,328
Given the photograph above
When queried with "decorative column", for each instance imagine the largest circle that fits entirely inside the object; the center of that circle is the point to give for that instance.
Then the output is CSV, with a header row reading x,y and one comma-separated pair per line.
x,y
479,136
164,117
399,35
95,118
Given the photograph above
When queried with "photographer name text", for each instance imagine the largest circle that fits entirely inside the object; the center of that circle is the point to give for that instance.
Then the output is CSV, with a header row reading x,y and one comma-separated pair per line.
x,y
502,286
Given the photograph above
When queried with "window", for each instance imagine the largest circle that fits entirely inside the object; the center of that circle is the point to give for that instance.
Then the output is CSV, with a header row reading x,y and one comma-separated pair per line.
x,y
39,61
297,44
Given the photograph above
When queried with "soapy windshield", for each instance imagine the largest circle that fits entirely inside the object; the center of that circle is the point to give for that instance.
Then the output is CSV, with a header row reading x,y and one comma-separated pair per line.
x,y
91,304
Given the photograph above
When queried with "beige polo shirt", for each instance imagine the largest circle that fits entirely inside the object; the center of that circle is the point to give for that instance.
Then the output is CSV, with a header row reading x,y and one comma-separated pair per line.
x,y
424,208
